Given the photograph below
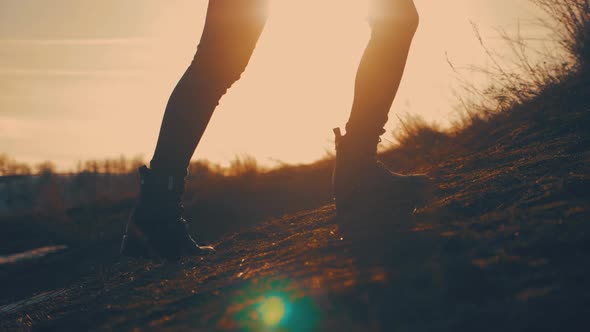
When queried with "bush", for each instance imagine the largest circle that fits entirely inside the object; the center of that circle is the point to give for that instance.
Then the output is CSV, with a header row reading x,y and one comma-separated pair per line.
x,y
573,29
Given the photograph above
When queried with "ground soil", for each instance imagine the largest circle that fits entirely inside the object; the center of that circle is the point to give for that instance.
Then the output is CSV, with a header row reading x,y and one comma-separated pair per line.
x,y
503,246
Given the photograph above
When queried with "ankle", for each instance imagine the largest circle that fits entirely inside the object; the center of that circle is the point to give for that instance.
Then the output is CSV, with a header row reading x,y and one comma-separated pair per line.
x,y
157,183
161,169
354,145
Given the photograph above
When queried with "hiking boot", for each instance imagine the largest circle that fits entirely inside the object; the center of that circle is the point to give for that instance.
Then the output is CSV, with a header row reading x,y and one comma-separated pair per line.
x,y
362,185
156,227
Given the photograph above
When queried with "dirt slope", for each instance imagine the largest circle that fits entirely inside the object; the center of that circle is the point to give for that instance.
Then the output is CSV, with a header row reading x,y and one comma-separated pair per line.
x,y
504,246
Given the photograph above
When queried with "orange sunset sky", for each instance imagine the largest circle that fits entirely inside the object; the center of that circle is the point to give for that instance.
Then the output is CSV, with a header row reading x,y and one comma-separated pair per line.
x,y
84,79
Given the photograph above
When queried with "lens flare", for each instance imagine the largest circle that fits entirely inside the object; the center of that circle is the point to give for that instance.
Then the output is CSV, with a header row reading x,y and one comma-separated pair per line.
x,y
272,310
268,305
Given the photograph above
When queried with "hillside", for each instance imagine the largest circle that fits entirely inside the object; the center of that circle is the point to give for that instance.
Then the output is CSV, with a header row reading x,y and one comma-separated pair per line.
x,y
503,246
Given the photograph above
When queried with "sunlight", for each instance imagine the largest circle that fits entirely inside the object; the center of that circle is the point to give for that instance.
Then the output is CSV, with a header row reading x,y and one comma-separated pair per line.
x,y
296,88
272,310
300,79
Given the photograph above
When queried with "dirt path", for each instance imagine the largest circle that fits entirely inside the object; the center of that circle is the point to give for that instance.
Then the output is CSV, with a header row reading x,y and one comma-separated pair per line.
x,y
504,246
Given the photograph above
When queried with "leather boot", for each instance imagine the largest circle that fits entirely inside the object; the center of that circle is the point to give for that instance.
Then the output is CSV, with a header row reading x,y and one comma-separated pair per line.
x,y
362,185
156,227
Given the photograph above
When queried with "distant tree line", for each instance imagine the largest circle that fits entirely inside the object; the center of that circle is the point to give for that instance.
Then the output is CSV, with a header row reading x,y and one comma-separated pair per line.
x,y
9,166
121,165
239,166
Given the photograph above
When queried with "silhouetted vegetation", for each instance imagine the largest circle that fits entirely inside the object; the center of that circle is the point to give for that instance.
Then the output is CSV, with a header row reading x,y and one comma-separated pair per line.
x,y
9,166
572,29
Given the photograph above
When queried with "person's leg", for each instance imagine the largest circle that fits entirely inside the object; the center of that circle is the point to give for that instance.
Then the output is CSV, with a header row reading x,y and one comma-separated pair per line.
x,y
232,28
393,24
156,226
361,184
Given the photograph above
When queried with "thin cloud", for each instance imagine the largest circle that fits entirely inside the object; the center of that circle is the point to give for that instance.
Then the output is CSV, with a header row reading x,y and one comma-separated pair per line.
x,y
78,41
70,73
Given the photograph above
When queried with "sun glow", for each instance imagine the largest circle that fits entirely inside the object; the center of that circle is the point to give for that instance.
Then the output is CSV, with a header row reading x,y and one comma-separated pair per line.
x,y
99,88
300,81
298,85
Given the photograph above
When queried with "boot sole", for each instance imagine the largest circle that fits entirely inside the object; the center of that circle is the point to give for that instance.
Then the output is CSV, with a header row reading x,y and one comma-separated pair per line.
x,y
136,244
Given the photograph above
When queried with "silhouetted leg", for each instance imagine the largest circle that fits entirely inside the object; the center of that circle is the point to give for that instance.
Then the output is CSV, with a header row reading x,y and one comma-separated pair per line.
x,y
232,28
393,24
363,186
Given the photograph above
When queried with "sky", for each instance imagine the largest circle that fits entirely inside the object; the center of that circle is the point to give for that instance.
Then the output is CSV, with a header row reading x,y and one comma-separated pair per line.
x,y
87,79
